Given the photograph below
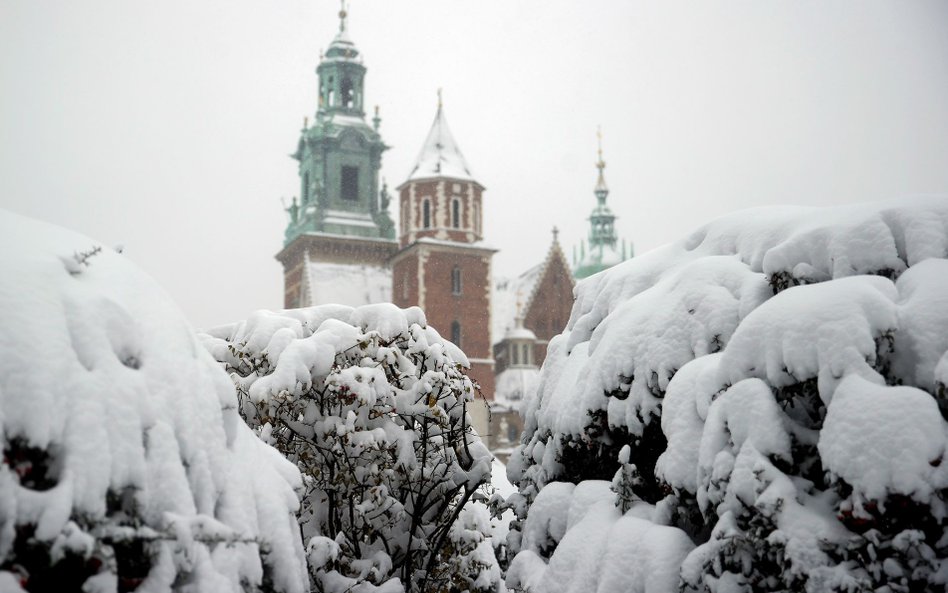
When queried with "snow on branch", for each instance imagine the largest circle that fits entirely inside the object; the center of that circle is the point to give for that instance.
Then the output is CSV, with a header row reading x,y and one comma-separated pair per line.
x,y
125,463
372,406
771,389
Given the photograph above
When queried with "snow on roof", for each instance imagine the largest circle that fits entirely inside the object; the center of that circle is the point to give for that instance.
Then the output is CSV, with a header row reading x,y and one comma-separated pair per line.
x,y
602,255
102,377
346,284
508,292
516,384
519,333
440,155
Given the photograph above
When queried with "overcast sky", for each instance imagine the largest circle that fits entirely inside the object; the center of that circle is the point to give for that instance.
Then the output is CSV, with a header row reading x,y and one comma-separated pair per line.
x,y
166,126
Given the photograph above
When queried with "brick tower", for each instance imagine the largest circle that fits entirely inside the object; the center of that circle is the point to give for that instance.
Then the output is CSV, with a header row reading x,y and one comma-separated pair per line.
x,y
442,264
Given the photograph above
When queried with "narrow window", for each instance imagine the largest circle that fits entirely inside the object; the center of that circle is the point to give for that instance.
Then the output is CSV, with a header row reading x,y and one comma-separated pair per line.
x,y
456,333
346,93
512,432
305,192
405,287
456,214
526,353
477,219
456,280
350,183
516,353
426,214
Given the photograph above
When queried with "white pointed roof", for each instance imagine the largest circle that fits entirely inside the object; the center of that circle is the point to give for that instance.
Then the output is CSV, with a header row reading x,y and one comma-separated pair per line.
x,y
440,155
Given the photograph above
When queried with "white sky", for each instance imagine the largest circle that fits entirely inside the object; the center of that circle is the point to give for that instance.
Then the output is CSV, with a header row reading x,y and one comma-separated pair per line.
x,y
166,126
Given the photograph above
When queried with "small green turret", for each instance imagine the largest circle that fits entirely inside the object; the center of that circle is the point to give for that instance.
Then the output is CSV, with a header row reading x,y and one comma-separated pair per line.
x,y
603,249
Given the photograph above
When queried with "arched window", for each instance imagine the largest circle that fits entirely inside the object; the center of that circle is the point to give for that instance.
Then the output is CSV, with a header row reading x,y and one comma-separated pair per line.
x,y
456,333
456,214
346,93
526,354
515,359
426,214
477,219
305,191
456,280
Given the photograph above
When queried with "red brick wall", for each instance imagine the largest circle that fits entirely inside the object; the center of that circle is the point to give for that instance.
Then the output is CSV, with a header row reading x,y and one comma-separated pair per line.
x,y
551,305
470,307
442,307
405,282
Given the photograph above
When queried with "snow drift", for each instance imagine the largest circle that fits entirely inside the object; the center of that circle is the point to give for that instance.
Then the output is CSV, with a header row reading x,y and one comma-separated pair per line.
x,y
772,390
125,463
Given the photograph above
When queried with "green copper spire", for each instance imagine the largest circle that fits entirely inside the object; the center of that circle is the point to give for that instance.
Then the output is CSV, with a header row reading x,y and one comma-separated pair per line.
x,y
340,154
603,243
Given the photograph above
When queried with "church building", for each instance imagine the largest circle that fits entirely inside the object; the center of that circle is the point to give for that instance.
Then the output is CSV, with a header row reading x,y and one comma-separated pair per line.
x,y
340,245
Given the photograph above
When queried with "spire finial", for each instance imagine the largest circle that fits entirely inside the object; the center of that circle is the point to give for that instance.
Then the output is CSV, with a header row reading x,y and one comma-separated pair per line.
x,y
439,98
601,165
601,188
556,233
342,15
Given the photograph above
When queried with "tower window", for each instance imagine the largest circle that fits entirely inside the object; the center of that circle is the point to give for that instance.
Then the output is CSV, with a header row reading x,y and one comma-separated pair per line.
x,y
512,432
305,191
455,214
350,183
456,333
456,280
426,214
477,219
516,354
347,95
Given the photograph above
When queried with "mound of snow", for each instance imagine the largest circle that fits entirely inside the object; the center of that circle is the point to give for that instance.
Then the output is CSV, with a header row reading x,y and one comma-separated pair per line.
x,y
775,385
125,462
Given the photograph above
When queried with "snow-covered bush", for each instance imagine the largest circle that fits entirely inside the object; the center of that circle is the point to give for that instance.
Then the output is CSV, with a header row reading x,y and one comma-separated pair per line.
x,y
125,464
371,404
772,389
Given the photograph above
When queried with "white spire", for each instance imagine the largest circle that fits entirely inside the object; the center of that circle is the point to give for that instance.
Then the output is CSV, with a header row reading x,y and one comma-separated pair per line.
x,y
440,155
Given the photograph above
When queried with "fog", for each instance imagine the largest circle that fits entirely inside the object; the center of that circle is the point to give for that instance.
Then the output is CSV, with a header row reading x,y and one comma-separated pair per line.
x,y
166,127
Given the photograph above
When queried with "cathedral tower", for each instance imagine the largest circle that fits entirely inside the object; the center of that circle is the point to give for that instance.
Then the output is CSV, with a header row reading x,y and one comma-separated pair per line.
x,y
339,232
442,265
603,244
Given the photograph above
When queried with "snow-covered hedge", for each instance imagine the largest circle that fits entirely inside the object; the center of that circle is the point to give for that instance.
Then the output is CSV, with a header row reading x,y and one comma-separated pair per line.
x,y
125,463
371,404
767,398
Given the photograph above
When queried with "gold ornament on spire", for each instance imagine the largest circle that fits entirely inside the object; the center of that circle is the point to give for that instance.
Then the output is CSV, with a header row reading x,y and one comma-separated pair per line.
x,y
601,164
439,98
342,15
